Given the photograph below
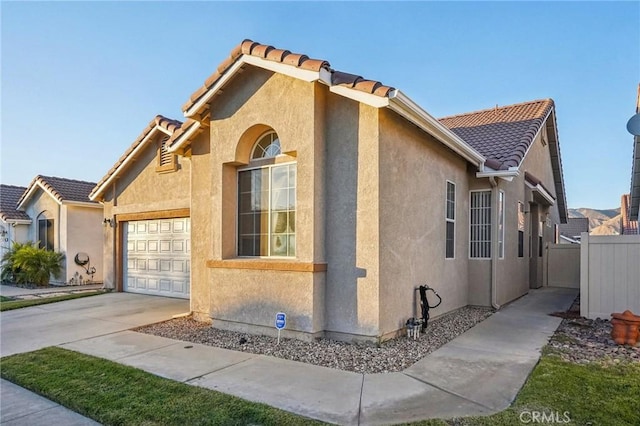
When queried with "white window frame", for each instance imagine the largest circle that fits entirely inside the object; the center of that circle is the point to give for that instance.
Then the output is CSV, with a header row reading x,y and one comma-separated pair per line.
x,y
249,168
447,219
490,223
501,204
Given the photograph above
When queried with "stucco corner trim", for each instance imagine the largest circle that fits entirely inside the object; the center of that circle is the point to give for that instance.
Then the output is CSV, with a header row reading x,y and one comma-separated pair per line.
x,y
267,265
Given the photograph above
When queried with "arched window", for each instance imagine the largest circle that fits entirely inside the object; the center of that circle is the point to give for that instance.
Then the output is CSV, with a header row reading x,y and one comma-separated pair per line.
x,y
267,147
267,203
46,231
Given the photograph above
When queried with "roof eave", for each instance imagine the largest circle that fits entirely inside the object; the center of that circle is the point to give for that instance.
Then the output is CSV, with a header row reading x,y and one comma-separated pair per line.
x,y
99,190
278,67
407,108
31,190
94,205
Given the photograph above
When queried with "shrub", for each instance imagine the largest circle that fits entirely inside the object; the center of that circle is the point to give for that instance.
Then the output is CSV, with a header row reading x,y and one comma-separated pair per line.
x,y
25,264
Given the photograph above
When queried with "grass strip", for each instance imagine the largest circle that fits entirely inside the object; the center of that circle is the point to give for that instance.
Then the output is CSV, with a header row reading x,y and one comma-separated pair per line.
x,y
5,299
572,394
7,304
115,394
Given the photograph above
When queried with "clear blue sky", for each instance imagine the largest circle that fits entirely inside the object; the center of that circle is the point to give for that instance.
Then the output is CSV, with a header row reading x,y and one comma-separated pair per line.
x,y
81,80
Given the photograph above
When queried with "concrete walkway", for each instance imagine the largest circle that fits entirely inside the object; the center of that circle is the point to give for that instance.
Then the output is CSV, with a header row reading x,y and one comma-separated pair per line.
x,y
36,327
480,372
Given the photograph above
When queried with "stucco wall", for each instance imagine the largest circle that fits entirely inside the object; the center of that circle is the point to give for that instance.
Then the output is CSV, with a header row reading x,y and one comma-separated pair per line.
x,y
141,189
414,170
515,274
352,244
84,234
15,233
253,102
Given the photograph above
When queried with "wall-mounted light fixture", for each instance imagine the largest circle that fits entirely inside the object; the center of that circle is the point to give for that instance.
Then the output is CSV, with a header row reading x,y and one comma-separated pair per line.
x,y
108,221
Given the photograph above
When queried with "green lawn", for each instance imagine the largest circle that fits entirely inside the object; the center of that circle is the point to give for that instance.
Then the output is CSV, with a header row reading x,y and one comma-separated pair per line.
x,y
7,304
115,394
593,394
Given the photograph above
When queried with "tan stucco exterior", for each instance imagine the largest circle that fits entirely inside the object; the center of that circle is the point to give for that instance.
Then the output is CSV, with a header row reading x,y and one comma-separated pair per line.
x,y
370,214
77,229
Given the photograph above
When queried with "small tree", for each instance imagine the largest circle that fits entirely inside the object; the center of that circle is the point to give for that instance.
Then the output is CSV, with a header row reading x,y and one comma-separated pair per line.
x,y
26,263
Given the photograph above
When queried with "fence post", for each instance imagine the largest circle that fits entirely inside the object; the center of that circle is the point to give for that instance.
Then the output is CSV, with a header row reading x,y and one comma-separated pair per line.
x,y
584,275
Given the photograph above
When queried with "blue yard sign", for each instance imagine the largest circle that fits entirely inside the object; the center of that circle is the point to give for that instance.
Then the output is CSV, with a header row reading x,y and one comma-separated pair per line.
x,y
281,320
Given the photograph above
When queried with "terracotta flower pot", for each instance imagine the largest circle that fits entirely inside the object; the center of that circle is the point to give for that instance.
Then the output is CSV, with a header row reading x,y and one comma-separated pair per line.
x,y
626,328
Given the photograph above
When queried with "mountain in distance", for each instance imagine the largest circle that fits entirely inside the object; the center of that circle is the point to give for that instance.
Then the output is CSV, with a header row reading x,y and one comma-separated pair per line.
x,y
601,222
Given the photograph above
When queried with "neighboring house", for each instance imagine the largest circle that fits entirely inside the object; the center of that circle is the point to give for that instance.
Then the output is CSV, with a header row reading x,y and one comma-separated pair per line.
x,y
634,195
294,187
65,219
627,226
14,224
571,231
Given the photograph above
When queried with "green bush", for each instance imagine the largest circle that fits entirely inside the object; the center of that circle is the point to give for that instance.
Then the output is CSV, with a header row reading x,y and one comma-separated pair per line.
x,y
27,264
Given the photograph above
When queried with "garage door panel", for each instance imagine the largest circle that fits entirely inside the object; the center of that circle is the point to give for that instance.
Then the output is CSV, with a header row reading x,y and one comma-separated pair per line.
x,y
157,257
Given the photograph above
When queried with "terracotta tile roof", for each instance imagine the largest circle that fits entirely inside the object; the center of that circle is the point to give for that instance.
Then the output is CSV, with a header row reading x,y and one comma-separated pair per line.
x,y
502,134
270,53
166,123
574,227
62,189
9,196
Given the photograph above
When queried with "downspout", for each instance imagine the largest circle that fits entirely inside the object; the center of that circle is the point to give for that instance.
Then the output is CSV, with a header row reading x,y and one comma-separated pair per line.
x,y
494,242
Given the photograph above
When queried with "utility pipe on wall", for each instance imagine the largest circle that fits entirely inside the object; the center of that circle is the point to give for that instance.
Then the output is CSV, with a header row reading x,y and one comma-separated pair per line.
x,y
494,242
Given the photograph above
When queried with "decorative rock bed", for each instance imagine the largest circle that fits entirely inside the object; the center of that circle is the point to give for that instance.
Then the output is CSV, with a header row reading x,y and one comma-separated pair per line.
x,y
390,356
580,340
577,340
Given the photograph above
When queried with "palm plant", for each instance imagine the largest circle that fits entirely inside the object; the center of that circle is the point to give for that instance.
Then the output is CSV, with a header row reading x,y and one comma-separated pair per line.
x,y
25,263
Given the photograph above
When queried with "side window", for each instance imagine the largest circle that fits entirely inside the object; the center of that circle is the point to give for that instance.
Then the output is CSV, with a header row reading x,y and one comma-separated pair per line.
x,y
450,220
46,233
480,225
520,229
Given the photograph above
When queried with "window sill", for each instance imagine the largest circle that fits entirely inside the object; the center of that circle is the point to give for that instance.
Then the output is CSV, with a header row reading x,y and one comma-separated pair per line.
x,y
267,265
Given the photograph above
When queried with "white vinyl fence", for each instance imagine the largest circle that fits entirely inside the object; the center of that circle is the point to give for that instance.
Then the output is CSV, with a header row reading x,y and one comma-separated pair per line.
x,y
609,275
563,265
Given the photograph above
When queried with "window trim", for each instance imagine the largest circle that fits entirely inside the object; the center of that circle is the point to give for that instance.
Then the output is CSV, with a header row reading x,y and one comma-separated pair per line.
x,y
259,167
449,220
471,191
521,231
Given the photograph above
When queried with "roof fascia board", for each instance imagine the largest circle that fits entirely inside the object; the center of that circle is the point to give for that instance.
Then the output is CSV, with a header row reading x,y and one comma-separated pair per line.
x,y
542,192
14,222
163,130
507,175
290,70
82,204
403,105
213,89
127,160
533,140
360,96
31,191
183,138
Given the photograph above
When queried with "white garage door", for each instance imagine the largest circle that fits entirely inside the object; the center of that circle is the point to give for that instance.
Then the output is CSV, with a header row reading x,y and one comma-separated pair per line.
x,y
157,257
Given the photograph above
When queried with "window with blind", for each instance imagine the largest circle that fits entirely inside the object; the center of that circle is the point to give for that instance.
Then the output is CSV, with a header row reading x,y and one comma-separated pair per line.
x,y
480,225
450,220
267,204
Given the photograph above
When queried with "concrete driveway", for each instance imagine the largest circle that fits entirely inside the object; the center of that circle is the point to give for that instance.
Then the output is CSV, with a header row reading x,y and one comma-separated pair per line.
x,y
28,329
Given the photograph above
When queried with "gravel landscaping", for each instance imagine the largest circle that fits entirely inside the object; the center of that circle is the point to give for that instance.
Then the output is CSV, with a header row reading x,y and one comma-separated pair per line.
x,y
581,341
391,356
